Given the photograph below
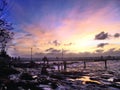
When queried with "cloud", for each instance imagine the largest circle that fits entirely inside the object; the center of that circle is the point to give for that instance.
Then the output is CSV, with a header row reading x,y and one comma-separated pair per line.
x,y
117,35
99,51
21,35
52,50
68,44
65,51
28,34
102,45
101,36
109,52
78,24
112,52
55,43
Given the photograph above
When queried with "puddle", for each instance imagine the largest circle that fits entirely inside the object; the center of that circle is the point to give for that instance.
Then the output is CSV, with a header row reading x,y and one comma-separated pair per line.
x,y
45,87
111,79
85,79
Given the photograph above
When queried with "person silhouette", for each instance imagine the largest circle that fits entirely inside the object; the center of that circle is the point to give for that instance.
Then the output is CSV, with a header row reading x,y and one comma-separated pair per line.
x,y
45,60
45,65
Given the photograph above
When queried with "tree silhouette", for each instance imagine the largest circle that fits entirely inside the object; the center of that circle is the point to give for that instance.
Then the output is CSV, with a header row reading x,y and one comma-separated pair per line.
x,y
6,35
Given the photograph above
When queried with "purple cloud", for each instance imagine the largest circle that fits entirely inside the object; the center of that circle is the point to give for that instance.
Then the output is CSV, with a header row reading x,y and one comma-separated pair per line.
x,y
52,50
102,45
117,35
55,43
68,44
101,36
99,51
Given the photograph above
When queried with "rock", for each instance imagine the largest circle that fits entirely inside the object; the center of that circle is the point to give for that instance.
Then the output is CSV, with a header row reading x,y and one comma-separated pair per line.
x,y
115,85
5,71
111,72
62,88
44,71
26,76
106,76
93,87
90,82
95,78
58,76
116,80
27,86
44,87
11,86
54,85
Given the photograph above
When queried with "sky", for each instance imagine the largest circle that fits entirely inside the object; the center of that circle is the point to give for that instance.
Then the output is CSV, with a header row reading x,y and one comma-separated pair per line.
x,y
74,27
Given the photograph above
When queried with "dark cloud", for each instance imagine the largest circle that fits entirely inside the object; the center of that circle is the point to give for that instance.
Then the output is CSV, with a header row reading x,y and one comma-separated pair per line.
x,y
111,50
28,35
99,51
65,51
48,49
68,44
101,36
102,45
55,42
116,35
52,50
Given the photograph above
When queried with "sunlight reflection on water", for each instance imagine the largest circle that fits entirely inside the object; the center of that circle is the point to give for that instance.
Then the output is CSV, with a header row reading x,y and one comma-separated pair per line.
x,y
85,79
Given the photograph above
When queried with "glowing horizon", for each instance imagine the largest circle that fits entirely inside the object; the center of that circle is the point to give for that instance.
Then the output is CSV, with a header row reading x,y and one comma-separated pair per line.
x,y
71,25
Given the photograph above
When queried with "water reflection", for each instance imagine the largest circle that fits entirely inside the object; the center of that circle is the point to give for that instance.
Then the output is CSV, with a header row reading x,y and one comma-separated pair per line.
x,y
111,79
85,79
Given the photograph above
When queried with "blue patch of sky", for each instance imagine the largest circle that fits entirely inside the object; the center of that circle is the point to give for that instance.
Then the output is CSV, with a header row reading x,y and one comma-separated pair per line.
x,y
41,10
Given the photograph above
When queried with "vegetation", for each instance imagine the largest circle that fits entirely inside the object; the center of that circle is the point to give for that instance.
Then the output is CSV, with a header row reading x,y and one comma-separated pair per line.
x,y
6,35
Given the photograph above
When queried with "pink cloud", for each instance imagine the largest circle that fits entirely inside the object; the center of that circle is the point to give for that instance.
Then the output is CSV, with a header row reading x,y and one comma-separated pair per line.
x,y
77,27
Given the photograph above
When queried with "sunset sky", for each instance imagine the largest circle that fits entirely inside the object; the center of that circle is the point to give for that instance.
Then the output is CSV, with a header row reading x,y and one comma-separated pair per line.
x,y
79,27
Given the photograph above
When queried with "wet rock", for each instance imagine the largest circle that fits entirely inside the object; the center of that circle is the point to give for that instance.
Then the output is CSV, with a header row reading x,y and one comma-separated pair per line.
x,y
26,76
43,81
62,88
90,82
105,82
103,86
44,70
68,82
116,80
31,86
95,78
106,76
111,72
115,85
58,76
73,76
44,87
14,77
27,86
5,71
93,87
54,85
11,86
73,73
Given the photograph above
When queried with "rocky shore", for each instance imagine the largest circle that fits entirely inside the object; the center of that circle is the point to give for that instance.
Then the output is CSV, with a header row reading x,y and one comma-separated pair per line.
x,y
83,79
